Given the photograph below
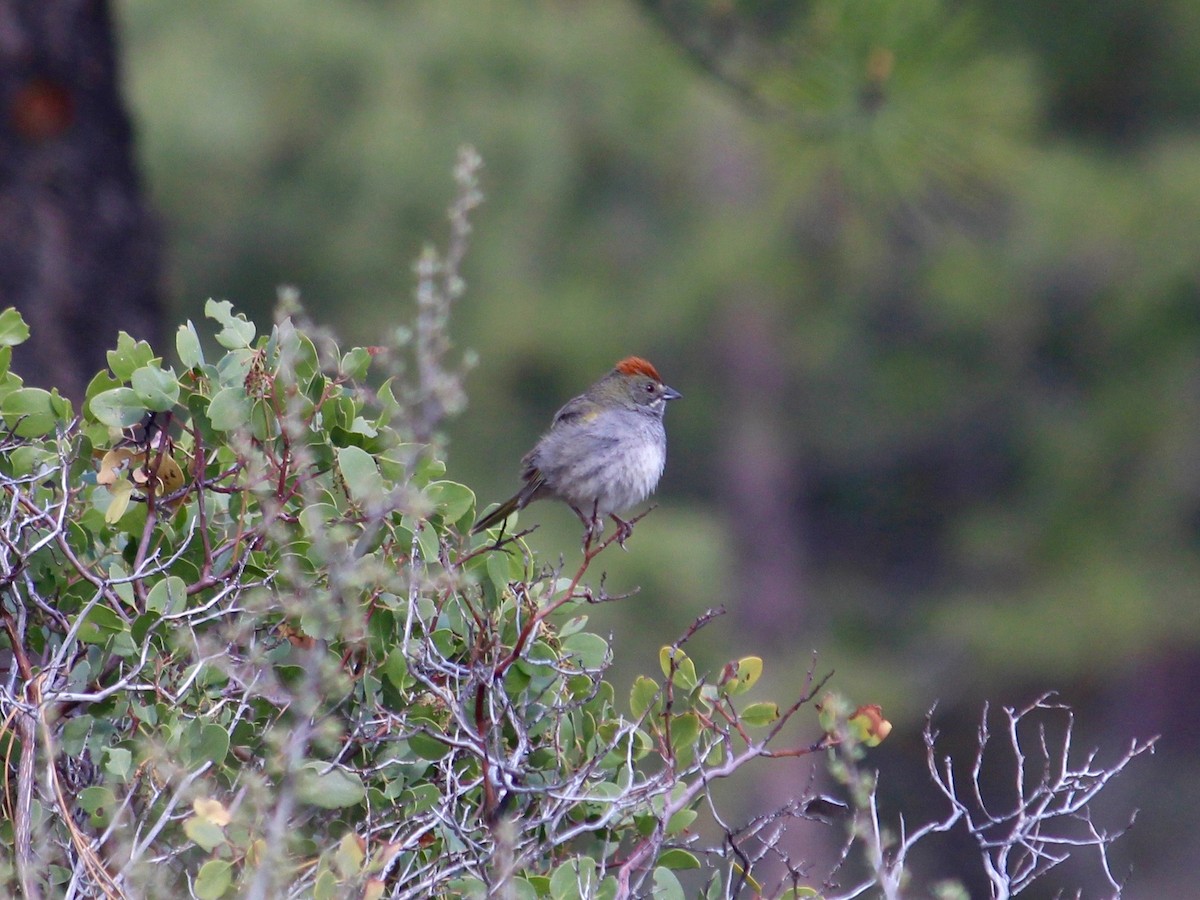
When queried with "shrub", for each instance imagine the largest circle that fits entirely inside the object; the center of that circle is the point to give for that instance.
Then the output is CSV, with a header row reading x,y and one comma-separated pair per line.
x,y
252,650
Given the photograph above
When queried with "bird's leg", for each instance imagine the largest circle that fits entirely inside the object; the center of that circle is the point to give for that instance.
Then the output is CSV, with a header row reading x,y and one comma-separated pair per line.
x,y
592,526
595,525
624,529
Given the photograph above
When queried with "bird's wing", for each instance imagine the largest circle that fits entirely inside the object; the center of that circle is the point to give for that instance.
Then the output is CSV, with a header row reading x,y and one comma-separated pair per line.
x,y
579,409
534,484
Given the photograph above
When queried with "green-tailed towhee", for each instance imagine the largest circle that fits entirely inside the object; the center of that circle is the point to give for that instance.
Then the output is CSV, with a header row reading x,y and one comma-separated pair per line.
x,y
604,452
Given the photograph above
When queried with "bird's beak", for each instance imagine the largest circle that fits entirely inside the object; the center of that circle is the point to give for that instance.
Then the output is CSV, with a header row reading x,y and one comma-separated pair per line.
x,y
669,393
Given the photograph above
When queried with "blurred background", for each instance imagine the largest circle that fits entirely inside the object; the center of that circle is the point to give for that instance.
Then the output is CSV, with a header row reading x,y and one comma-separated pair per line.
x,y
926,273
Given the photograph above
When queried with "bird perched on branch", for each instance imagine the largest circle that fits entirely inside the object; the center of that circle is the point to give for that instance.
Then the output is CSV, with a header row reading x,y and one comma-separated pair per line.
x,y
604,452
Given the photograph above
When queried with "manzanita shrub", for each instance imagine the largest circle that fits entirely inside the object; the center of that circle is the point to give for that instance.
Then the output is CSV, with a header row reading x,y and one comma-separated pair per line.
x,y
249,648
253,652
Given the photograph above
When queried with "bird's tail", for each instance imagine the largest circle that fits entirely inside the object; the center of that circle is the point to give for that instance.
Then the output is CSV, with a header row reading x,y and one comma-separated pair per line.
x,y
497,515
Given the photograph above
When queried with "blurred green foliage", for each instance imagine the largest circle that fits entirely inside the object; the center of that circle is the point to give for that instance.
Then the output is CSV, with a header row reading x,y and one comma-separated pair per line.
x,y
930,266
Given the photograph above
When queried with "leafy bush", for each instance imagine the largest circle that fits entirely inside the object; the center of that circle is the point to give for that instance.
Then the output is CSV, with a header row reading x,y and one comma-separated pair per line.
x,y
250,650
253,637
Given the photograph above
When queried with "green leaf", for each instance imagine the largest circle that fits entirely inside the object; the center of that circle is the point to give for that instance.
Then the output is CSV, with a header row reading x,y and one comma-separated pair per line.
x,y
122,645
124,590
451,500
356,363
326,886
363,481
263,423
236,333
831,708
420,798
118,762
118,407
31,410
426,745
799,893
396,669
157,389
101,381
575,879
332,789
204,833
316,516
297,353
209,744
59,875
522,889
129,356
678,860
428,468
349,856
684,731
213,879
427,540
758,714
13,329
666,885
229,409
569,627
75,733
187,345
500,570
30,458
642,695
101,624
681,821
467,887
95,800
684,668
749,670
169,596
588,650
234,366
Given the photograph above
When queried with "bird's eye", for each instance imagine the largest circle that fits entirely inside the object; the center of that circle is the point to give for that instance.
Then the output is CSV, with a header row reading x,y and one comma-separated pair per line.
x,y
650,387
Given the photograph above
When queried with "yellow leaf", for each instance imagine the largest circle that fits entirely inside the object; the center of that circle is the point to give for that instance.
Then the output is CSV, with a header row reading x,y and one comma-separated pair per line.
x,y
121,492
869,725
751,882
211,810
170,476
384,855
256,852
350,855
114,460
739,677
127,460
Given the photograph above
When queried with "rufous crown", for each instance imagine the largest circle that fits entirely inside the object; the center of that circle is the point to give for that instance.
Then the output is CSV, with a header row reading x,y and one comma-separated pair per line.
x,y
635,365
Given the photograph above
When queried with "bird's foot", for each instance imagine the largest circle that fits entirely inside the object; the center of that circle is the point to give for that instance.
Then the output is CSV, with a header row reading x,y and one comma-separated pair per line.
x,y
624,530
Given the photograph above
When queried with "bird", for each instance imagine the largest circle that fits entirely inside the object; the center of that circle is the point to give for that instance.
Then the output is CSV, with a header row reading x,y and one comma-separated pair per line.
x,y
605,451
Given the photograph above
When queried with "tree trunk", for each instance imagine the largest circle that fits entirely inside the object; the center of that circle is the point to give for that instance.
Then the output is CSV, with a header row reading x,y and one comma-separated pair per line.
x,y
79,251
760,484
